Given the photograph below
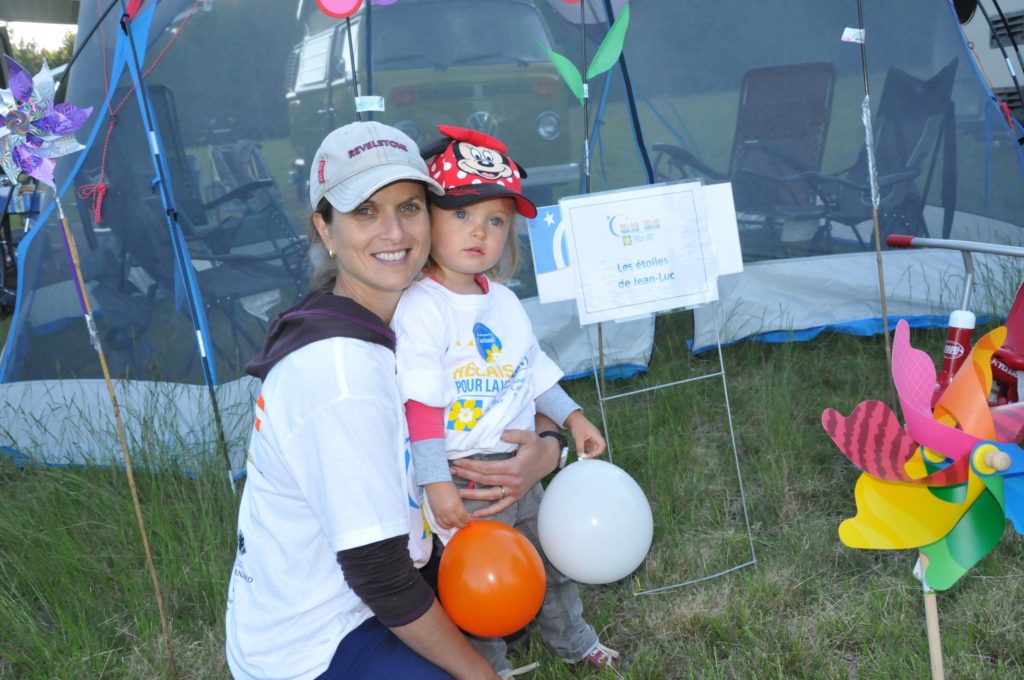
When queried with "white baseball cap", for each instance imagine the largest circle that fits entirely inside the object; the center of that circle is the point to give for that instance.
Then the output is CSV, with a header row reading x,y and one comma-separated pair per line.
x,y
358,159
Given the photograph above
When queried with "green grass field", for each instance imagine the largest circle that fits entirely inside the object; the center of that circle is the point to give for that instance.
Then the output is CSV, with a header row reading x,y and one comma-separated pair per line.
x,y
76,600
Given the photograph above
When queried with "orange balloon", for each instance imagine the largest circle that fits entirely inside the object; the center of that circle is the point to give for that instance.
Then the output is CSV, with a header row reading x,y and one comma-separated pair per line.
x,y
491,579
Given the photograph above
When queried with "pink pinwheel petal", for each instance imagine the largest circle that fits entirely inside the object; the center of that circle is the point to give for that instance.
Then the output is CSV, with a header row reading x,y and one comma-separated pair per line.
x,y
913,373
19,81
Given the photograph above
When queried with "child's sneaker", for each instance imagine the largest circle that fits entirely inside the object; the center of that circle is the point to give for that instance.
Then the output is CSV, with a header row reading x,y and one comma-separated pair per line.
x,y
600,658
512,672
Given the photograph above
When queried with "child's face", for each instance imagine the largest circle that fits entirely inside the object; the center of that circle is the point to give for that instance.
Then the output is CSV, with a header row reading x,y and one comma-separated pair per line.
x,y
469,240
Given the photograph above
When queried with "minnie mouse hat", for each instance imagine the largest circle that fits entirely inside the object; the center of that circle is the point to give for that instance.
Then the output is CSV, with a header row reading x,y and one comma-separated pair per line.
x,y
473,167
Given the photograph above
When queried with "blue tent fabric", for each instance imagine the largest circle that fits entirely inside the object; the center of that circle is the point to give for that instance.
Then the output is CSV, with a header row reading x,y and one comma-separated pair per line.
x,y
199,241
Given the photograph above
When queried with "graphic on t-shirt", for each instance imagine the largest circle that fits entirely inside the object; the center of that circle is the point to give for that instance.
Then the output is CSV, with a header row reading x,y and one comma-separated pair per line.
x,y
259,411
487,343
464,414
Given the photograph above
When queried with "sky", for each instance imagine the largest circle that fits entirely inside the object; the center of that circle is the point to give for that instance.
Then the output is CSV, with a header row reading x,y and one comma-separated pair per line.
x,y
47,36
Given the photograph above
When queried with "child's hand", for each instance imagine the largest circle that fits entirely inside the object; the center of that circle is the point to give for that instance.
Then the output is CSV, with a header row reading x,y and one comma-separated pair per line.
x,y
447,505
589,440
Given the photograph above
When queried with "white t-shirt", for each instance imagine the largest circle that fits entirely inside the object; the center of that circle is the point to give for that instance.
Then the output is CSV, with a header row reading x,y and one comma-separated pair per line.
x,y
328,469
475,356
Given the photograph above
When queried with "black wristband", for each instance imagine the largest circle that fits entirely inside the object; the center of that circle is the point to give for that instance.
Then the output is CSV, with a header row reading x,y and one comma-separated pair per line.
x,y
563,445
563,441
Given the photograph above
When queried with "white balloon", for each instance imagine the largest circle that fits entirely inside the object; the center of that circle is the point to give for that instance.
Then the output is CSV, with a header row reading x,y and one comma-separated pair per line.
x,y
595,523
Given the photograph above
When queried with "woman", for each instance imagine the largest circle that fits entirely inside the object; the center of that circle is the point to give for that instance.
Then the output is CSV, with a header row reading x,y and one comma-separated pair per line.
x,y
329,481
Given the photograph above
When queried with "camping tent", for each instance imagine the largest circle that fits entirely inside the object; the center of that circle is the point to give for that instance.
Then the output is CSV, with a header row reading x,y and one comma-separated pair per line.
x,y
188,202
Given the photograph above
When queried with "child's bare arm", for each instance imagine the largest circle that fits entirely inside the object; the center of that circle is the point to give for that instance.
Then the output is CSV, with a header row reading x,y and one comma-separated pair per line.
x,y
589,440
445,502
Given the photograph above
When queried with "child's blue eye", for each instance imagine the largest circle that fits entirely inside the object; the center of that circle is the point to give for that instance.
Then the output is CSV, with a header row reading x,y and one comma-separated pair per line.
x,y
497,222
461,214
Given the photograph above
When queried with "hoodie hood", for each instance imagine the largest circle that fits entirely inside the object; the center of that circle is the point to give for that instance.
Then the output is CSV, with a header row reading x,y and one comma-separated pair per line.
x,y
318,316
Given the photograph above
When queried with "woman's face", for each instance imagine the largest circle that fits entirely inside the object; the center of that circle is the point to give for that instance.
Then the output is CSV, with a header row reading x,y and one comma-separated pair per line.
x,y
380,246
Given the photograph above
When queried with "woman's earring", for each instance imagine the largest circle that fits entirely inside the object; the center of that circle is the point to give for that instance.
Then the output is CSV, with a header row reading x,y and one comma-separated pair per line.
x,y
330,252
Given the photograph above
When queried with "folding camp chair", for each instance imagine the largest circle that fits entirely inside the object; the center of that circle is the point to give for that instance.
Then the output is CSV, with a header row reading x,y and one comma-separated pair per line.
x,y
781,127
247,260
913,123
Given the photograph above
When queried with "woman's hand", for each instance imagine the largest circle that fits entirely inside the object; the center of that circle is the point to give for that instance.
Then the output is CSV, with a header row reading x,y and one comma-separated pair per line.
x,y
508,480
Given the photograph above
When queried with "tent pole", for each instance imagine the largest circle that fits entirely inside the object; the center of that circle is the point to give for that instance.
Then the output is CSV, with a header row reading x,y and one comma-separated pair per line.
x,y
869,143
355,69
177,241
586,162
1002,45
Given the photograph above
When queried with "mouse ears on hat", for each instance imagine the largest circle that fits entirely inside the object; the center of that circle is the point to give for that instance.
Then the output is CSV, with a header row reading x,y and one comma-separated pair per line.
x,y
454,133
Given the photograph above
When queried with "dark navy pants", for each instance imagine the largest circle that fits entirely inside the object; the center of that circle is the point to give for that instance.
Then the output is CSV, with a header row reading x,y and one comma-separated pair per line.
x,y
373,652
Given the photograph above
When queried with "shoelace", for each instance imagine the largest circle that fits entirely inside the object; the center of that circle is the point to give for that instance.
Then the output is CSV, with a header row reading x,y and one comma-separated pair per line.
x,y
607,654
603,659
522,670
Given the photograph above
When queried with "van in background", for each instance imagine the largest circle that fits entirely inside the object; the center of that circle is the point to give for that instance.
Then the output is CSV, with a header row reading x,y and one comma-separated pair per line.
x,y
457,62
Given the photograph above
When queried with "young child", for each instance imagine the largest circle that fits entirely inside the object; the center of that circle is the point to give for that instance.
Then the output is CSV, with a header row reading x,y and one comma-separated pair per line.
x,y
469,368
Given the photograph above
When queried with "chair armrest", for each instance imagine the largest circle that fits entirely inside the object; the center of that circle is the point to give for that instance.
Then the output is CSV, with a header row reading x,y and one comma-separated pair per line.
x,y
896,177
682,158
778,153
284,251
240,192
820,180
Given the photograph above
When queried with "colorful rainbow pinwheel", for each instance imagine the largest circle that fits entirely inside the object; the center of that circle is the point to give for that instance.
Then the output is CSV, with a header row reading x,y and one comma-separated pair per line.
x,y
35,131
947,481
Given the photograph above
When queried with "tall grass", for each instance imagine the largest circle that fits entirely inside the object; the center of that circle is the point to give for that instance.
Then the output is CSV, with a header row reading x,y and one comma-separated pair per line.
x,y
76,600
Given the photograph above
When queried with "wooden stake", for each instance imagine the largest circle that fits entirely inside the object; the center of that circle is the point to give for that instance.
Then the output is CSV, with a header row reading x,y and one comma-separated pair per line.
x,y
94,339
931,617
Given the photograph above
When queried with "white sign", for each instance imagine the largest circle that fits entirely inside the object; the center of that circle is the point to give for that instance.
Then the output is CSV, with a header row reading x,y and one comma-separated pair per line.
x,y
552,263
640,251
725,234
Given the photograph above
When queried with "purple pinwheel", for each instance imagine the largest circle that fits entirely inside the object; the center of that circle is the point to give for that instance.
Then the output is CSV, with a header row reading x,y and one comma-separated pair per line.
x,y
33,131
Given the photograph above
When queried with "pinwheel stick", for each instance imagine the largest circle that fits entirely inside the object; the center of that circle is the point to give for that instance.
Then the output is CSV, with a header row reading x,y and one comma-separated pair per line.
x,y
94,339
34,132
869,145
931,618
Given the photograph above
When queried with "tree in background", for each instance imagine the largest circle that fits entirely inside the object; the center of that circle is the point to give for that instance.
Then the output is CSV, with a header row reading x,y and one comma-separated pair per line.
x,y
30,55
